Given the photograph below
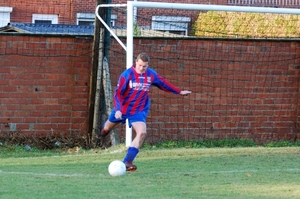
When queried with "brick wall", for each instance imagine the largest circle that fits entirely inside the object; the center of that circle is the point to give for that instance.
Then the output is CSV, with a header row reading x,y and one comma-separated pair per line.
x,y
88,6
22,11
80,6
241,89
65,9
44,84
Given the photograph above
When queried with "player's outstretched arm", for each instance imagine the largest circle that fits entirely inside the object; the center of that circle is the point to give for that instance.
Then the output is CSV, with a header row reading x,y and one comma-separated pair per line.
x,y
185,93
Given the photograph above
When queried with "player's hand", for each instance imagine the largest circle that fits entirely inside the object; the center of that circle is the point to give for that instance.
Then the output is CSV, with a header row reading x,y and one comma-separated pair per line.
x,y
118,115
185,93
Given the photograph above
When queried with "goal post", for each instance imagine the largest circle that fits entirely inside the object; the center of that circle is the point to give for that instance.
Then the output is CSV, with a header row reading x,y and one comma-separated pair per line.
x,y
130,18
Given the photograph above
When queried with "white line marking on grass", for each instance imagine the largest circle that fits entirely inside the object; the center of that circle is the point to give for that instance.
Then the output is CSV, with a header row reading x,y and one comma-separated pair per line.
x,y
117,151
233,171
48,174
256,171
167,173
73,155
57,156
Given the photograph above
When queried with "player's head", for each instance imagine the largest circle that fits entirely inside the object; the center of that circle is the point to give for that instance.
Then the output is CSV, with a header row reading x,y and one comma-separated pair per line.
x,y
142,63
144,57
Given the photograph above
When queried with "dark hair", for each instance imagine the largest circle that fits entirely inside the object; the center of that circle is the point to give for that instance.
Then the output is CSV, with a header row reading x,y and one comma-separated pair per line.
x,y
144,57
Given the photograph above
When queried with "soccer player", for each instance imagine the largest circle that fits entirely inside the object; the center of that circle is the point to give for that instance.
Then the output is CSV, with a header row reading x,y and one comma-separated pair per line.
x,y
131,101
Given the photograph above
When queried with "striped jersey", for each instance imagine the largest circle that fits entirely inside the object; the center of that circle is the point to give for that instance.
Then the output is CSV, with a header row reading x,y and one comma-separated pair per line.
x,y
131,94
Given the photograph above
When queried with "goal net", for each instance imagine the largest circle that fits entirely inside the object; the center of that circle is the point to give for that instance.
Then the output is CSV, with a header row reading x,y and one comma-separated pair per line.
x,y
241,63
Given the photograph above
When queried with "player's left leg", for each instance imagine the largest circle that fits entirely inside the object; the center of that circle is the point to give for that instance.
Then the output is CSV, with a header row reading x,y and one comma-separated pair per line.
x,y
133,150
140,129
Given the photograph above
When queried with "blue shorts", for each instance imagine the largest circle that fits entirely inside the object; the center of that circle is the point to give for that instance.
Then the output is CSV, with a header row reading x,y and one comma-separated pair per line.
x,y
138,117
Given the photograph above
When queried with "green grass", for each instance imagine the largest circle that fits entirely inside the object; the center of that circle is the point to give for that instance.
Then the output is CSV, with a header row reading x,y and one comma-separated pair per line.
x,y
185,172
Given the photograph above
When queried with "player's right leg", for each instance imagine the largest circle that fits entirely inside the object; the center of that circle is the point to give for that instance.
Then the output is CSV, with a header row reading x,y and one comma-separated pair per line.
x,y
106,129
110,124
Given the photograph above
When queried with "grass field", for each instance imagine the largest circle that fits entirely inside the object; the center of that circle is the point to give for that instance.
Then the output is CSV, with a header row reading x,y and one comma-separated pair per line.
x,y
254,172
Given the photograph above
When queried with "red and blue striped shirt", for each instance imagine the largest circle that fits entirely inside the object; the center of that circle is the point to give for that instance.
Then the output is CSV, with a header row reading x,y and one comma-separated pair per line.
x,y
131,94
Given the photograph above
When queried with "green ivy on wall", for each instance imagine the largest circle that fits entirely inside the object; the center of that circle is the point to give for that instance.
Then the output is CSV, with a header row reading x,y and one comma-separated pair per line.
x,y
246,25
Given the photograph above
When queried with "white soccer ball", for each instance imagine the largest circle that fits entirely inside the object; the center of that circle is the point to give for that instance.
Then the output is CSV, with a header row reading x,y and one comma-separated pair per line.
x,y
117,168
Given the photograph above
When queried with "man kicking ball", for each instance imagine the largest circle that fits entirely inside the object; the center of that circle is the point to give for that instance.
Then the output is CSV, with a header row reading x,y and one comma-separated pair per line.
x,y
131,101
